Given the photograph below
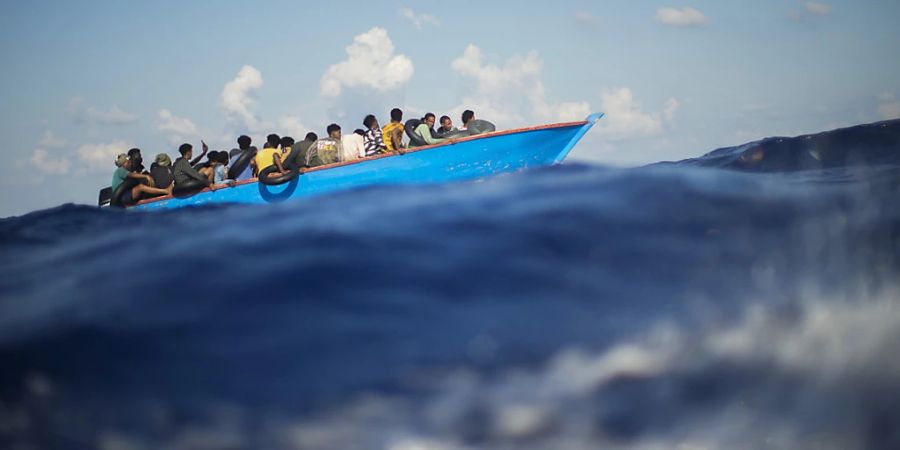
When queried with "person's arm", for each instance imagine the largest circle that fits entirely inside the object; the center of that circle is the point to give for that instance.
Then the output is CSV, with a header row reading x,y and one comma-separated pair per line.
x,y
425,133
193,173
140,176
379,140
277,159
197,159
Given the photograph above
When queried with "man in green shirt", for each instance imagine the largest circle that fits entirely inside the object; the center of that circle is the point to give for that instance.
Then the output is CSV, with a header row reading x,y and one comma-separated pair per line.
x,y
424,130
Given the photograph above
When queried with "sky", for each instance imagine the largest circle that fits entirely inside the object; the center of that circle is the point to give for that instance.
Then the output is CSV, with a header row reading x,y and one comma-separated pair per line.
x,y
83,81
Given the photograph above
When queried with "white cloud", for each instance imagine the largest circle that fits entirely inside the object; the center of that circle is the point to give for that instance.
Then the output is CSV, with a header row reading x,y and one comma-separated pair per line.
x,y
50,140
47,164
418,20
624,118
371,63
513,94
82,112
101,157
818,9
681,17
293,127
177,128
236,98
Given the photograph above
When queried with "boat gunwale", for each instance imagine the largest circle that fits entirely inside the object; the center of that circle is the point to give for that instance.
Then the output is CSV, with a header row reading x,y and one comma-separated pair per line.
x,y
217,187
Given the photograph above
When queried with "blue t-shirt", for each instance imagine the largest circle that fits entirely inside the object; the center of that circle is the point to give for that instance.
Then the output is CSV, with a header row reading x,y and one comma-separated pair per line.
x,y
118,177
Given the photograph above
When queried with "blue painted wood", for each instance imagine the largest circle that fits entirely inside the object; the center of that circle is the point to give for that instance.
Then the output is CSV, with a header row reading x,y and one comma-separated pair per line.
x,y
471,159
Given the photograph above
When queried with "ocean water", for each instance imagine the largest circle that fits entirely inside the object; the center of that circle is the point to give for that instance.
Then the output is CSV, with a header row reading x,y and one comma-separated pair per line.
x,y
747,298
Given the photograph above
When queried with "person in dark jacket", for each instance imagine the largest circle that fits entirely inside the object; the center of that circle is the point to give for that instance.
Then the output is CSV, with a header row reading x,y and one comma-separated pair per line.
x,y
161,170
184,172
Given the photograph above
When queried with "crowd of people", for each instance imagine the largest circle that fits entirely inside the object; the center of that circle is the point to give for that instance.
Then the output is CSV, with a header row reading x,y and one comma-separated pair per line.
x,y
282,152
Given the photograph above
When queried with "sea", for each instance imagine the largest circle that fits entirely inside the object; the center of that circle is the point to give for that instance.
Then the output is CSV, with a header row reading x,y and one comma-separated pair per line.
x,y
746,298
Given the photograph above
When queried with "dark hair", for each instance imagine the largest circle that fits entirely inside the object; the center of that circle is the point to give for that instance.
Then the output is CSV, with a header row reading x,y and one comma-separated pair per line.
x,y
443,118
312,137
396,115
467,115
184,148
223,158
287,141
244,141
212,156
368,121
359,131
332,128
134,151
273,140
427,115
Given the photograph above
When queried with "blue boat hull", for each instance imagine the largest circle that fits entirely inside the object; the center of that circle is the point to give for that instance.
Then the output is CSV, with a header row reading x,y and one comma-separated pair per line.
x,y
471,158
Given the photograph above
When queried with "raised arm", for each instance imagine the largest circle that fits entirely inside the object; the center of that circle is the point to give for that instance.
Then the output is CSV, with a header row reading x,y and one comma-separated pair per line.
x,y
202,154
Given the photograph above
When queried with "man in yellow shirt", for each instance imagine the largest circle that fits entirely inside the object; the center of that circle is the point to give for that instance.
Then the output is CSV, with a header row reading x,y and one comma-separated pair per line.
x,y
270,155
393,132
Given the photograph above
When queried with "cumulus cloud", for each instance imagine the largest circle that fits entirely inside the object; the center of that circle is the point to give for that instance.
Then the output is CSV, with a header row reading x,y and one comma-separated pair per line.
x,y
82,112
292,126
237,100
418,20
681,17
101,157
625,119
371,63
177,128
49,164
512,94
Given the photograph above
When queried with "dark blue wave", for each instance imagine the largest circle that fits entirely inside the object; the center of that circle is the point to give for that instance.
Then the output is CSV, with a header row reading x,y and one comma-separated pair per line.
x,y
490,314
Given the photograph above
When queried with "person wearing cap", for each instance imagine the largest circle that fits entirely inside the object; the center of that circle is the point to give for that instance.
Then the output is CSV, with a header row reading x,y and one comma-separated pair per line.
x,y
130,196
161,170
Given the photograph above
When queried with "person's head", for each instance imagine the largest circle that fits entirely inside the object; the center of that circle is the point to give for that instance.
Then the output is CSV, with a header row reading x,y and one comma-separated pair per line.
x,y
122,160
134,153
213,157
312,137
334,131
186,150
223,158
359,131
163,159
273,140
428,119
396,115
287,142
370,122
244,141
446,123
467,115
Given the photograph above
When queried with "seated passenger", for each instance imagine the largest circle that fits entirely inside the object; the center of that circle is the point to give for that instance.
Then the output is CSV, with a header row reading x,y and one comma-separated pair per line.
x,y
354,145
393,131
270,155
135,160
467,115
244,148
219,162
297,157
184,172
327,150
446,126
424,130
144,182
161,170
373,139
287,144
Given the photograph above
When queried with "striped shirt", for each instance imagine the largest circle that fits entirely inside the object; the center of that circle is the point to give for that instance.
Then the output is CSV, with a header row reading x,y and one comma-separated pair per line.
x,y
374,141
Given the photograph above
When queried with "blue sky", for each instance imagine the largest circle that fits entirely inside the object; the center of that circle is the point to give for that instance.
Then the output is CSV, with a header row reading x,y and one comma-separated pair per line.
x,y
85,80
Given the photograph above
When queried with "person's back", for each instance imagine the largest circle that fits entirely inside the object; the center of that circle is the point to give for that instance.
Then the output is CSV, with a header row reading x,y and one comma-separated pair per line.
x,y
327,150
297,157
161,170
393,132
121,172
354,146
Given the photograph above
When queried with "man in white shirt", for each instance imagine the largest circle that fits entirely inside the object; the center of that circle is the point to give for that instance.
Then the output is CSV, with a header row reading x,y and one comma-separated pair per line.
x,y
354,145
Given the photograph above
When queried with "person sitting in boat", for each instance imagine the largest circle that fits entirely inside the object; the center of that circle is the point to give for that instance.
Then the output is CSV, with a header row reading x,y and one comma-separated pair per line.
x,y
270,155
327,150
393,131
446,126
135,160
143,186
374,138
219,163
184,171
297,157
354,145
424,130
287,146
244,154
467,116
161,170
